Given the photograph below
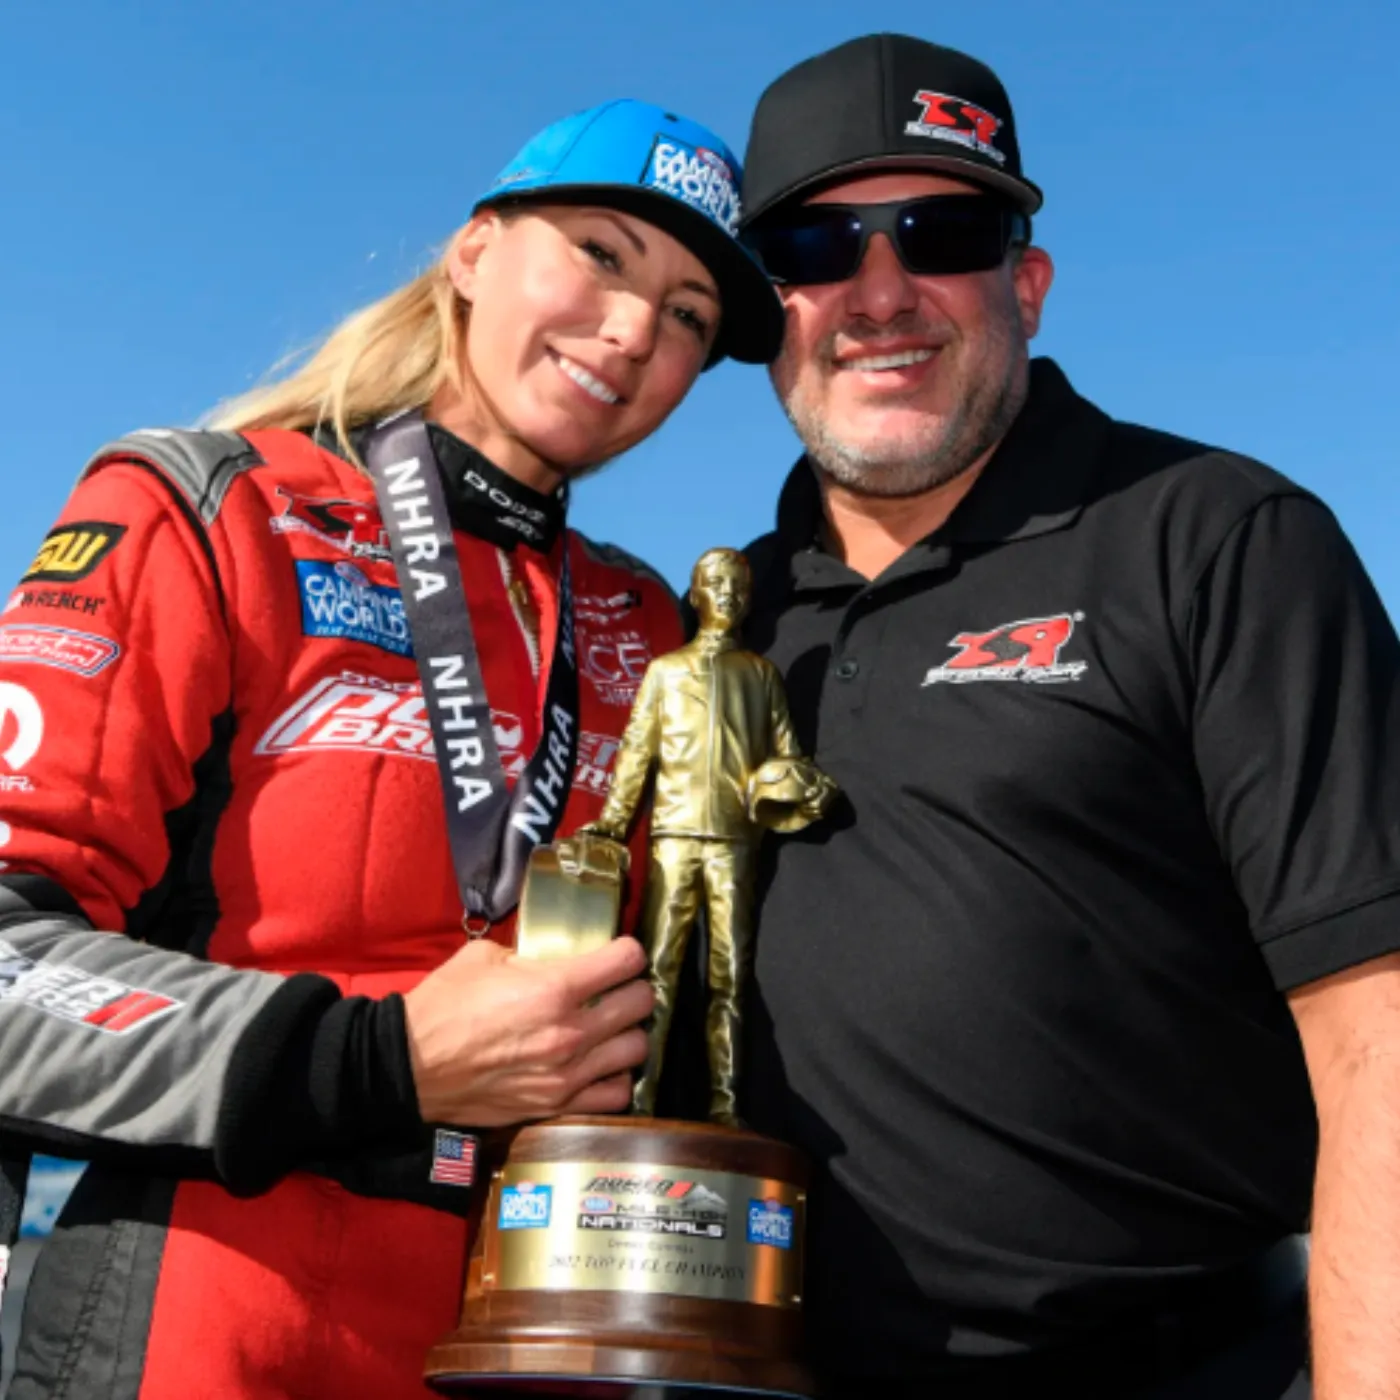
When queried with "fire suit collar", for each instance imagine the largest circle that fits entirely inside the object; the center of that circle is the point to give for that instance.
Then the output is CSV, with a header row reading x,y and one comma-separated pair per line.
x,y
488,503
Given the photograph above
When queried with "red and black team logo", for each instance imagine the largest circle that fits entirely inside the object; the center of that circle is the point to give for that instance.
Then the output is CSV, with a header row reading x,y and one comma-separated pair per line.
x,y
352,526
944,117
1026,651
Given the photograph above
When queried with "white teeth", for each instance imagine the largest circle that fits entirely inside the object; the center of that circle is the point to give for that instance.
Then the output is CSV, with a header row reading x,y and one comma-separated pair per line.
x,y
905,357
584,380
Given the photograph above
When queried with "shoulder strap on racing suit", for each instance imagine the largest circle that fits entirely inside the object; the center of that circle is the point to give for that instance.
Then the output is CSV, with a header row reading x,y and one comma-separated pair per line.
x,y
202,464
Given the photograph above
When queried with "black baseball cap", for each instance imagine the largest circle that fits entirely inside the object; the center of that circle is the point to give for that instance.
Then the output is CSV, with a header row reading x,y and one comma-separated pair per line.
x,y
883,102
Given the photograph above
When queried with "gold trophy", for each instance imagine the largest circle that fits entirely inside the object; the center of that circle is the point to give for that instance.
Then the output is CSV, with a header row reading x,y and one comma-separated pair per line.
x,y
622,1252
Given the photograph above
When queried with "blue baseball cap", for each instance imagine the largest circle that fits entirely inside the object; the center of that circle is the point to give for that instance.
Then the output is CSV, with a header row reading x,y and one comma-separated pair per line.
x,y
673,173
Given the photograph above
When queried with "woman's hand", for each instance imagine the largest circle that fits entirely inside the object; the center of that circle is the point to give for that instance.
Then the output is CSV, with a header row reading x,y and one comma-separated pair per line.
x,y
497,1039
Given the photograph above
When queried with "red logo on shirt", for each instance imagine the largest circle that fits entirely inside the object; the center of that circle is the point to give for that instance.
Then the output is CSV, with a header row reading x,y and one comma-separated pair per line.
x,y
1018,651
353,526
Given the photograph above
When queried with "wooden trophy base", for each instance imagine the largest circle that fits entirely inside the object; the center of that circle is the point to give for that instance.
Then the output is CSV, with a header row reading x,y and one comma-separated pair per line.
x,y
617,1253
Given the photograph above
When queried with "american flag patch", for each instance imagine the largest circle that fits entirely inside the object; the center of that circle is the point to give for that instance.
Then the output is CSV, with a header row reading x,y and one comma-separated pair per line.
x,y
454,1159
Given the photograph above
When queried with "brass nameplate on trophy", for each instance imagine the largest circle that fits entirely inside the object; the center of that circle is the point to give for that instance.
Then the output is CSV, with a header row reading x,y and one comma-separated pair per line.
x,y
640,1228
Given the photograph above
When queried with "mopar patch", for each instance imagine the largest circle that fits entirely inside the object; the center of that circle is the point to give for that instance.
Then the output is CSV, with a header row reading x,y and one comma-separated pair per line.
x,y
701,178
73,551
337,600
71,994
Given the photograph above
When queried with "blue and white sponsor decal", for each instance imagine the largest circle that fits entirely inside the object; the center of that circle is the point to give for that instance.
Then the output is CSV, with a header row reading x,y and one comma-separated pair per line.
x,y
337,600
50,1181
697,176
770,1222
526,1206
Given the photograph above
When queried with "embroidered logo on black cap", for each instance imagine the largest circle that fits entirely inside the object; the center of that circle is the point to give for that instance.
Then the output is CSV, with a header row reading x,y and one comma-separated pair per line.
x,y
948,118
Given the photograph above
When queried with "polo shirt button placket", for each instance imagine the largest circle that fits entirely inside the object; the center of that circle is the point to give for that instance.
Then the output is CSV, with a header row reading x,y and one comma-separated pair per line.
x,y
848,670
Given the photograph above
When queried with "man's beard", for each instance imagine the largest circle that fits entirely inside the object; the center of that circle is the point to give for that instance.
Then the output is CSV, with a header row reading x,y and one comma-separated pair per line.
x,y
985,407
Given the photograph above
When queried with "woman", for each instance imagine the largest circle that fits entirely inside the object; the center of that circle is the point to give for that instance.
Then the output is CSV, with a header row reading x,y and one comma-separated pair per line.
x,y
322,682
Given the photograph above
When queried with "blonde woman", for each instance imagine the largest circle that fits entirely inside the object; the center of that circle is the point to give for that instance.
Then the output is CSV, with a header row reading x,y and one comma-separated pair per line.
x,y
286,705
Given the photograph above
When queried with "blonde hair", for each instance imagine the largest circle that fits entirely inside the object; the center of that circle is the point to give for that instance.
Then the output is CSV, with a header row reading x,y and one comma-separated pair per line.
x,y
386,357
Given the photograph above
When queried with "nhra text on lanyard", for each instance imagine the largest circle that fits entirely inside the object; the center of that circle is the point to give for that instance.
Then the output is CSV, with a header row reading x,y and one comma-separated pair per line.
x,y
492,829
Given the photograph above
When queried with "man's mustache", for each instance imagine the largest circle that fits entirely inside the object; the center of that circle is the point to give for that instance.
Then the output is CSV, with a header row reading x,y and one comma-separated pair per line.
x,y
866,337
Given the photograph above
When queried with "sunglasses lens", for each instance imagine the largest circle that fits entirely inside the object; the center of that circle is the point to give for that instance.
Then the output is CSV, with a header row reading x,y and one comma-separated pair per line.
x,y
820,245
947,235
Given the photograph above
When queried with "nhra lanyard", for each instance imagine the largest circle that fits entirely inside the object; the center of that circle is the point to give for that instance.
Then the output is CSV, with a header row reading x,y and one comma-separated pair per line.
x,y
492,829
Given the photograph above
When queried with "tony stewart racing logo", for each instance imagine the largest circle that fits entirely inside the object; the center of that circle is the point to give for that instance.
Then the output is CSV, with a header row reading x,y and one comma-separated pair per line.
x,y
1018,651
355,527
653,1205
71,994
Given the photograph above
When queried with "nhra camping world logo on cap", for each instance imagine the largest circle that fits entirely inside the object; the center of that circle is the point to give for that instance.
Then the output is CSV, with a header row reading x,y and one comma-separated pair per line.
x,y
696,176
1026,651
73,551
948,118
59,989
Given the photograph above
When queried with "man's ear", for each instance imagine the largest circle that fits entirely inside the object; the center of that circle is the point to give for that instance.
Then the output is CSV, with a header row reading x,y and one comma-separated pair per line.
x,y
1032,275
468,249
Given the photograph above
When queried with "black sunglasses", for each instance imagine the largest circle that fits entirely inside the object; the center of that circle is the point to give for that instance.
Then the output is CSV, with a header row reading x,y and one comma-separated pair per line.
x,y
937,235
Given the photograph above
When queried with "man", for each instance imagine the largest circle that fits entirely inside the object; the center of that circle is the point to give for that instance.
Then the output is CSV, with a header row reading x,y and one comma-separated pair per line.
x,y
713,720
1104,929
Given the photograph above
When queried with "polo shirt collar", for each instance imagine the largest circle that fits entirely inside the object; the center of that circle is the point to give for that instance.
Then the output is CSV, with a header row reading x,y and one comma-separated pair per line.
x,y
1035,483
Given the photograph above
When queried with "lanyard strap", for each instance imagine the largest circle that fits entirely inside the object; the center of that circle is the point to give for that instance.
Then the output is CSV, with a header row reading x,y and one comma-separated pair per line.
x,y
492,828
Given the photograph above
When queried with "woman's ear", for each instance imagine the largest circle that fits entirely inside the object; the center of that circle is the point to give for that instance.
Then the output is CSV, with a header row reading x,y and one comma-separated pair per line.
x,y
468,249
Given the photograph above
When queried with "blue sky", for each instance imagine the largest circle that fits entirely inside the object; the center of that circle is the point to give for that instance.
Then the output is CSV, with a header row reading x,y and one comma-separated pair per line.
x,y
192,191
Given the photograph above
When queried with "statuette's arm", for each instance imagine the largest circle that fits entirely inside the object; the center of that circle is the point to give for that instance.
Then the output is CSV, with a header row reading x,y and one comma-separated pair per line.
x,y
785,743
634,759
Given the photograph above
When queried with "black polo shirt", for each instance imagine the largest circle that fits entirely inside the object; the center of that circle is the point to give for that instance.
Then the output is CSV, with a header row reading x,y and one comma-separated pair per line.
x,y
1119,754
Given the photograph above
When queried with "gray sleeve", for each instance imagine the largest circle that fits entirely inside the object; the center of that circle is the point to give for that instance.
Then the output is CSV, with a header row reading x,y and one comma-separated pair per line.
x,y
108,1039
117,1051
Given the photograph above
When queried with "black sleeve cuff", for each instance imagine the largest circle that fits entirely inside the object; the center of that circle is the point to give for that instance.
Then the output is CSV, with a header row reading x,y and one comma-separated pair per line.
x,y
313,1077
1333,944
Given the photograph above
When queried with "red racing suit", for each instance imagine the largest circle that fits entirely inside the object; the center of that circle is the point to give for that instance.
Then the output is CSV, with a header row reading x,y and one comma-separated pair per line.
x,y
224,851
